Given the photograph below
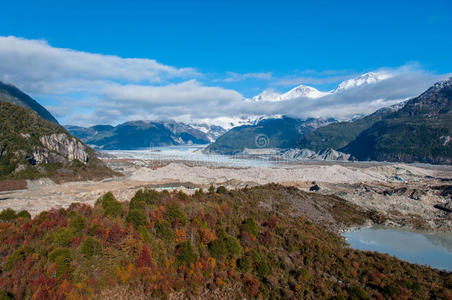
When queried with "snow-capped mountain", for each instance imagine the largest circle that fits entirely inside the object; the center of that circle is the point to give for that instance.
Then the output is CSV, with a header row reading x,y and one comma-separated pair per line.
x,y
304,91
301,91
266,96
212,131
367,78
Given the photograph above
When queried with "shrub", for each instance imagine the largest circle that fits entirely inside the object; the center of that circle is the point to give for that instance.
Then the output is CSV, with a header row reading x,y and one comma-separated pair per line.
x,y
182,196
137,203
147,196
356,292
186,254
6,295
218,249
176,212
263,269
224,246
114,209
62,237
111,206
221,190
137,217
198,193
91,247
17,256
250,226
164,231
77,223
24,214
244,264
144,233
62,257
232,245
211,189
8,215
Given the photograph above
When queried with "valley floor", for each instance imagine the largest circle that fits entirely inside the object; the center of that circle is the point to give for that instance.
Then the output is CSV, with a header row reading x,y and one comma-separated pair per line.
x,y
393,194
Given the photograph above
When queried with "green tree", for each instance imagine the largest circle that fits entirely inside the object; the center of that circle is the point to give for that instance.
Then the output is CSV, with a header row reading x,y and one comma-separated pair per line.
x,y
186,254
91,247
137,217
8,215
250,226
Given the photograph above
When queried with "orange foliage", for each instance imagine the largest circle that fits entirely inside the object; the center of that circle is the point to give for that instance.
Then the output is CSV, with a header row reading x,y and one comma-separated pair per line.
x,y
207,235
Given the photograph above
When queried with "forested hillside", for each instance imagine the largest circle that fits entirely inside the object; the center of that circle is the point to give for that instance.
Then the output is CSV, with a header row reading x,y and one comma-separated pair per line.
x,y
267,242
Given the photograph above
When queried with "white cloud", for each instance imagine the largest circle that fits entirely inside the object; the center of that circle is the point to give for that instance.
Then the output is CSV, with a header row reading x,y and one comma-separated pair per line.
x,y
85,88
38,66
234,77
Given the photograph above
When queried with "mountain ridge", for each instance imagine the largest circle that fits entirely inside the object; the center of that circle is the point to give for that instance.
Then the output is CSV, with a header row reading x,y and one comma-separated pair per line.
x,y
144,134
418,132
12,94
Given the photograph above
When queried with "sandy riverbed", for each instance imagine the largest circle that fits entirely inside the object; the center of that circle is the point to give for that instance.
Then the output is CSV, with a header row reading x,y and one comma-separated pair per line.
x,y
361,183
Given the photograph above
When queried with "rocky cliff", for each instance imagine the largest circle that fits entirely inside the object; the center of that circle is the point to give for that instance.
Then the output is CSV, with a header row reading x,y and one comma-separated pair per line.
x,y
31,147
66,146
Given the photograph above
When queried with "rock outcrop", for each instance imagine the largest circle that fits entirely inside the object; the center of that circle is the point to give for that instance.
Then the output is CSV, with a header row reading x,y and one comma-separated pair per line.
x,y
307,154
68,147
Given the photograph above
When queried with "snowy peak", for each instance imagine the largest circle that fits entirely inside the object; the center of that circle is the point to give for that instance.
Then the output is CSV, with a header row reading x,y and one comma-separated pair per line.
x,y
303,91
266,96
367,78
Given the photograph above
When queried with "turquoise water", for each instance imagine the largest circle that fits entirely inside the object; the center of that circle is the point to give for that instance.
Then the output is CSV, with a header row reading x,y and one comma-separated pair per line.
x,y
432,249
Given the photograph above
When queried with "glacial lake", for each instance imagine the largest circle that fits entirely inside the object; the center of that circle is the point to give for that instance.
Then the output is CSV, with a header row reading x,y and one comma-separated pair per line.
x,y
194,154
432,249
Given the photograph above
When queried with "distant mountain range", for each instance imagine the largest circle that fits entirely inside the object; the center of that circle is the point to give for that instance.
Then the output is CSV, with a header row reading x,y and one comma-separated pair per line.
x,y
281,132
417,130
303,91
145,134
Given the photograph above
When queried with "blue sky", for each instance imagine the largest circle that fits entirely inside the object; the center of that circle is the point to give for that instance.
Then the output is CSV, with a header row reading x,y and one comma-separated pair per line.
x,y
283,43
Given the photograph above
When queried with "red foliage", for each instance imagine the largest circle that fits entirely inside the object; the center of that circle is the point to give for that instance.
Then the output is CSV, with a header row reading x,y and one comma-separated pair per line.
x,y
44,287
267,238
145,259
252,285
272,222
115,233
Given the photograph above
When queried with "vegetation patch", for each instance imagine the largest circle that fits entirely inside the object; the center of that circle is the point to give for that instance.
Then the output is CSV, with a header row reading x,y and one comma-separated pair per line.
x,y
231,245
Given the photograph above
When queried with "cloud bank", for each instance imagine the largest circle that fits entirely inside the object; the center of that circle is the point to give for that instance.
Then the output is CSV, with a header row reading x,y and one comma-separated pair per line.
x,y
86,88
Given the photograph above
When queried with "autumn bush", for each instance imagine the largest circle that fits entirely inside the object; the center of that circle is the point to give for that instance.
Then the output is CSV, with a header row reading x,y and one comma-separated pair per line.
x,y
225,245
17,256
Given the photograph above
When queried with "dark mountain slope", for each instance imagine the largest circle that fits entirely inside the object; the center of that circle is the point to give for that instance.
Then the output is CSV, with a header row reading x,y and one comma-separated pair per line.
x,y
9,93
139,135
419,132
269,133
338,135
